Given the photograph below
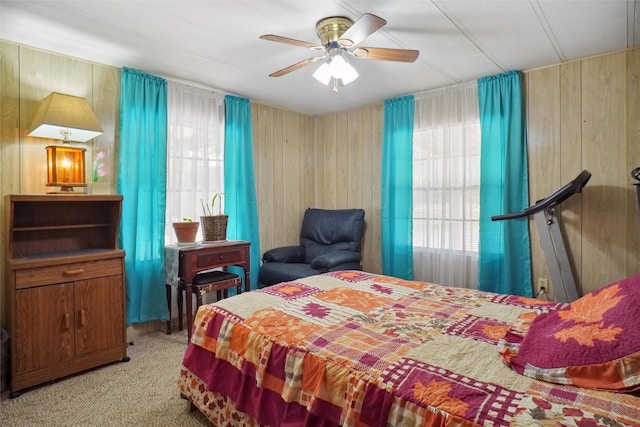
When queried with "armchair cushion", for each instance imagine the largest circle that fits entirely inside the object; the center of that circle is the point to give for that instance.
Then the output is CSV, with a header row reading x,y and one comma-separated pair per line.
x,y
330,240
284,254
325,231
331,260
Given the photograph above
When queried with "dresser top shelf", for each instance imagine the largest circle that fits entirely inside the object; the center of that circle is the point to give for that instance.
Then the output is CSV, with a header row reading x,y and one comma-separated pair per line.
x,y
50,226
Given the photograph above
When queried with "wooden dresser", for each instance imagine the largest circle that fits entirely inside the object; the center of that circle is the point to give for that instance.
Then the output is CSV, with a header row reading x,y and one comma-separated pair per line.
x,y
64,285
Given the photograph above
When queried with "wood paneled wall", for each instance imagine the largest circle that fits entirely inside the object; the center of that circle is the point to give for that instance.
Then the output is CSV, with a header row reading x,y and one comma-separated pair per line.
x,y
284,182
580,115
328,162
347,150
586,115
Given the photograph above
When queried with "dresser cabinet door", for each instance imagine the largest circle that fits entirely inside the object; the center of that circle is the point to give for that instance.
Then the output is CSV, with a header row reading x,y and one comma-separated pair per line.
x,y
99,314
44,326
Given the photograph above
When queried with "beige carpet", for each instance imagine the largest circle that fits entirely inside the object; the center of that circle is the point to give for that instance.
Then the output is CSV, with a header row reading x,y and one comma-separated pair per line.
x,y
141,392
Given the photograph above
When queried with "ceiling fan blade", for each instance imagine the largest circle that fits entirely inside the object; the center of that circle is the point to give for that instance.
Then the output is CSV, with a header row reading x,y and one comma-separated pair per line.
x,y
286,40
296,66
384,54
361,29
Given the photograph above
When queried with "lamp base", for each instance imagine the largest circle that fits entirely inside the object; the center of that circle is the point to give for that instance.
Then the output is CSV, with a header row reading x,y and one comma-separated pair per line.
x,y
66,189
68,193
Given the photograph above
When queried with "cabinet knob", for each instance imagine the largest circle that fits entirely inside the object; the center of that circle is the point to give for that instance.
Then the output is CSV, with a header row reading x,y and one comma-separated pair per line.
x,y
67,322
74,272
83,318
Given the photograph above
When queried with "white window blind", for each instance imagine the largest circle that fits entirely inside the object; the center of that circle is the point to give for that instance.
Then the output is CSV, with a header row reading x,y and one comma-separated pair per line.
x,y
446,186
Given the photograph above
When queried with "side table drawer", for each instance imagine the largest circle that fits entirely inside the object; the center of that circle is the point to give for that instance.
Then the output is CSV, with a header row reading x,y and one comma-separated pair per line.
x,y
221,257
67,272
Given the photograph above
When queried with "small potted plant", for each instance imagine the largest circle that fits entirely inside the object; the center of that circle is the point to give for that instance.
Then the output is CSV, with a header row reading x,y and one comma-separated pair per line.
x,y
214,227
186,230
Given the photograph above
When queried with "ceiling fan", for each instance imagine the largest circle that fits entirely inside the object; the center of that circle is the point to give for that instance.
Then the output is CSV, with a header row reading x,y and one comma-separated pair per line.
x,y
340,37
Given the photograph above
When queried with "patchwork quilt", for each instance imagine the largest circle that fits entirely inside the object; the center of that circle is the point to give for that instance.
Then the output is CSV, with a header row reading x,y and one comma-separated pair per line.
x,y
352,348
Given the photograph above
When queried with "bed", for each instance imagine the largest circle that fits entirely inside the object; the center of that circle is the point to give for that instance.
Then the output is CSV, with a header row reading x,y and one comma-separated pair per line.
x,y
353,348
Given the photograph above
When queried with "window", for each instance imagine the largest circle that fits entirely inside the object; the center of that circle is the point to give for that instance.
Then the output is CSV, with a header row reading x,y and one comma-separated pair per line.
x,y
446,186
195,153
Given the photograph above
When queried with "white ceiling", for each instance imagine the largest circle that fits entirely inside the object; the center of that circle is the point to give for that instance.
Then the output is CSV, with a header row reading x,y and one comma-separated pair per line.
x,y
214,43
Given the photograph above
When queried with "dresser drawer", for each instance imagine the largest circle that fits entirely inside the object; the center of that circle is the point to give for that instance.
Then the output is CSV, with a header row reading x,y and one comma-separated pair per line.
x,y
67,272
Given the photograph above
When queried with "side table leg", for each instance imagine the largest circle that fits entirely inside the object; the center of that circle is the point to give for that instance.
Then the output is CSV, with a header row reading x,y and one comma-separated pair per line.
x,y
179,301
168,288
188,290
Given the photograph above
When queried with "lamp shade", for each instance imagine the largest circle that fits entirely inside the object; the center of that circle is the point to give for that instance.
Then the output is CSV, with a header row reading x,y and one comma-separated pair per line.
x,y
65,117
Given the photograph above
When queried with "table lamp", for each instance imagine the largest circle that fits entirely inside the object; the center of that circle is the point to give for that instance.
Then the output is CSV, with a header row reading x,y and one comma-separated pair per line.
x,y
67,118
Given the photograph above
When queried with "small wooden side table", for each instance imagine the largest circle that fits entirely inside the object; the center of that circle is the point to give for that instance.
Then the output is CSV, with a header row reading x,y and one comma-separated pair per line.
x,y
182,263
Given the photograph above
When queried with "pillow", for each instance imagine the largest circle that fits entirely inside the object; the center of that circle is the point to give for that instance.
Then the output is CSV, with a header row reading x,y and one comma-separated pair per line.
x,y
594,342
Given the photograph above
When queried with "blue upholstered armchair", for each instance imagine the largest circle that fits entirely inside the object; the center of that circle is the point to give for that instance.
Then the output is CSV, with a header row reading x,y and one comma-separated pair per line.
x,y
330,240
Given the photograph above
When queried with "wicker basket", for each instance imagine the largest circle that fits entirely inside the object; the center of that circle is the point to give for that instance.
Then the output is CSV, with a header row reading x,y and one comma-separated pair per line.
x,y
214,227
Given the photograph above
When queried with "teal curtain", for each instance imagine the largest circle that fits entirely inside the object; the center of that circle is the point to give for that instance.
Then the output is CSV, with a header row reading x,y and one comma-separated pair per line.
x,y
397,188
504,264
239,184
141,180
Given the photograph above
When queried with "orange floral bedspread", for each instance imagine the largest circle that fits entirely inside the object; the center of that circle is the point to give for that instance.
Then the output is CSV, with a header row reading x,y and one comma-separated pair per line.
x,y
358,349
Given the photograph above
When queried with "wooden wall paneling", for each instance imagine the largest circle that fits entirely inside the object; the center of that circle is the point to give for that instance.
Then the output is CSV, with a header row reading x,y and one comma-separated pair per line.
x,y
308,159
311,158
278,181
319,135
258,168
354,152
9,148
571,161
342,157
282,165
355,168
633,160
292,176
106,106
10,118
261,117
543,145
324,162
604,154
365,183
370,183
329,153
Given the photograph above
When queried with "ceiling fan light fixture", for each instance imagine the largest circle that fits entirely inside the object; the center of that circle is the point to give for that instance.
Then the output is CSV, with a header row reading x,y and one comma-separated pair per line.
x,y
341,69
338,69
349,74
338,66
323,74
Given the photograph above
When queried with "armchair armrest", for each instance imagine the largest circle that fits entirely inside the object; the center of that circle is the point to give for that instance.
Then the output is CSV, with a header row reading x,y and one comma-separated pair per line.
x,y
284,254
334,259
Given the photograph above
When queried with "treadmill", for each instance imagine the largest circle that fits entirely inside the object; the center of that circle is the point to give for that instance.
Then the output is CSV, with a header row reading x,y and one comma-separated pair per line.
x,y
553,246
